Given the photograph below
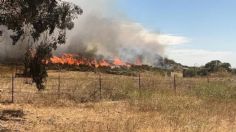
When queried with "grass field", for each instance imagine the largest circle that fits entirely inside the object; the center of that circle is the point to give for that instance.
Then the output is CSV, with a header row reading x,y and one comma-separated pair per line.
x,y
75,101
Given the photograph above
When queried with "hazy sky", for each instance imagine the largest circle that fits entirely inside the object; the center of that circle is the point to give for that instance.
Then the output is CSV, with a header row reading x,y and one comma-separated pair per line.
x,y
209,25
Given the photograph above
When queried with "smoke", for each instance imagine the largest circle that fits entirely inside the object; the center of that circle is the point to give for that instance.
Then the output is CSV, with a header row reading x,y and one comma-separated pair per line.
x,y
111,38
9,52
103,31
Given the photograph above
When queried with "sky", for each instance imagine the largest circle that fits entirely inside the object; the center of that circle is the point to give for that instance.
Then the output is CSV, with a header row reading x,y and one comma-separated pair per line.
x,y
208,25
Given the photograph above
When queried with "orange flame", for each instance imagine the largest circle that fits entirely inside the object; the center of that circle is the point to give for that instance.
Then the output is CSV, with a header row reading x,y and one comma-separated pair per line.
x,y
138,62
70,59
103,63
119,62
56,60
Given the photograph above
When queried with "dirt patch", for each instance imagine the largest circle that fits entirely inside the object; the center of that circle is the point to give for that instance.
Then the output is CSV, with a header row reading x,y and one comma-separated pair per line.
x,y
11,115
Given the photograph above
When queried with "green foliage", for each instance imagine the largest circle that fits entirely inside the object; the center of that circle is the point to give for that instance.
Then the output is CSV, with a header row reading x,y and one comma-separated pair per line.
x,y
195,71
190,72
38,67
215,66
226,66
42,15
210,67
38,20
202,72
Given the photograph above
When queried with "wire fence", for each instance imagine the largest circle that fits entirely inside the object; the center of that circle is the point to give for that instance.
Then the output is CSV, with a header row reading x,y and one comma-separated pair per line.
x,y
95,88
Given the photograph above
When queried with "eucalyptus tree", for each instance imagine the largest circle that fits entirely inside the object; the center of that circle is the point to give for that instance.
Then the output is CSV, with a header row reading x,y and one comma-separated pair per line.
x,y
43,24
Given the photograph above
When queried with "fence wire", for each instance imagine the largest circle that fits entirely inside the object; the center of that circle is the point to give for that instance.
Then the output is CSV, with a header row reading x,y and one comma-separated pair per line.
x,y
85,89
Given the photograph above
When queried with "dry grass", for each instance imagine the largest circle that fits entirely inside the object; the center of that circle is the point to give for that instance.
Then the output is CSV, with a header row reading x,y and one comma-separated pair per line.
x,y
197,105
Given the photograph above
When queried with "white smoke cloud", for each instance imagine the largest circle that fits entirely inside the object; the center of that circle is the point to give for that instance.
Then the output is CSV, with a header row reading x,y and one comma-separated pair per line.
x,y
170,40
8,51
101,30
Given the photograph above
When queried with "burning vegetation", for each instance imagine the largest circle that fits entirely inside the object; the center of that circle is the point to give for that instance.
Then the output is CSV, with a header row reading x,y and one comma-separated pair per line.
x,y
71,59
81,63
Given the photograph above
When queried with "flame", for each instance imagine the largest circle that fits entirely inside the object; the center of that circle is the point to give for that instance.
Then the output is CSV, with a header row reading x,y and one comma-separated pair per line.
x,y
118,62
56,60
138,62
70,59
103,63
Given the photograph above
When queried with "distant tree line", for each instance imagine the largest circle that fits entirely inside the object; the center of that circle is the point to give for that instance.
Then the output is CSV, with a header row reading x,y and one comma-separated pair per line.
x,y
209,68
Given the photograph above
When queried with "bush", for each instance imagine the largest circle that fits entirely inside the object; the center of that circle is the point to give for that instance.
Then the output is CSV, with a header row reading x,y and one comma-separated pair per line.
x,y
234,71
202,72
191,72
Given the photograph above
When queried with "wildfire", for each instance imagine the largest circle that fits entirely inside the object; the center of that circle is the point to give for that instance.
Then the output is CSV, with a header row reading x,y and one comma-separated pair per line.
x,y
70,59
103,63
65,59
118,62
138,62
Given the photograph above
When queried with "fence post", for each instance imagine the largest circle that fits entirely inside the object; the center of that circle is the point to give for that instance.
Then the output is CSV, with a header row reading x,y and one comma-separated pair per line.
x,y
153,84
12,87
59,84
208,79
100,85
139,84
175,86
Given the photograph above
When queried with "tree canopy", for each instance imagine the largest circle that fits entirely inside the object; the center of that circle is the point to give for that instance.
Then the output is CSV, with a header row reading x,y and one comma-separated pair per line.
x,y
216,65
210,67
44,22
42,15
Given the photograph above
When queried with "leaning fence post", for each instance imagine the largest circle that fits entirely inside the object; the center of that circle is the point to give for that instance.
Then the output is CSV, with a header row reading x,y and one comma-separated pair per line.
x,y
100,86
139,84
12,87
175,86
59,84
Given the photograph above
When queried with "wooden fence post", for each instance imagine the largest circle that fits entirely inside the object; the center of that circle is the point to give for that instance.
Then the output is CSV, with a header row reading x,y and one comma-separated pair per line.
x,y
139,84
59,84
154,80
175,86
208,79
12,87
100,85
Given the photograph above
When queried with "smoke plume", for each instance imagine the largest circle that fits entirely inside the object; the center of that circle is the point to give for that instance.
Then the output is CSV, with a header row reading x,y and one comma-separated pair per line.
x,y
104,31
9,52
